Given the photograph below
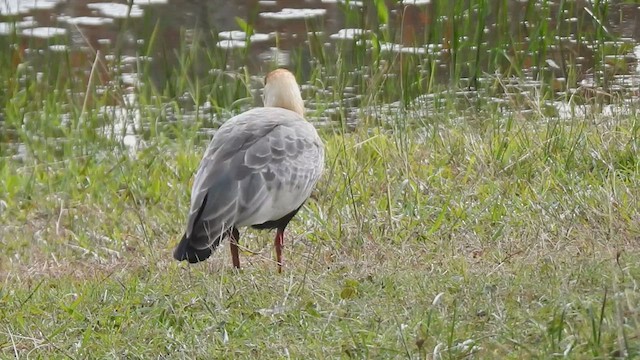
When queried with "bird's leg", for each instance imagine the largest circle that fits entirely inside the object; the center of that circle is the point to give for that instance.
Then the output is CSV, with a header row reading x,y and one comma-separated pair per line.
x,y
279,242
234,237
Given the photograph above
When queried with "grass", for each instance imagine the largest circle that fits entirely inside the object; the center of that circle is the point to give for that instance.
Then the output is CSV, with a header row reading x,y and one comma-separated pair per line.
x,y
527,239
442,228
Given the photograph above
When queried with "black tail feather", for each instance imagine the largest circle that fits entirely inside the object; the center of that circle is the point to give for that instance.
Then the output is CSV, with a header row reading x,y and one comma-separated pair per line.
x,y
184,251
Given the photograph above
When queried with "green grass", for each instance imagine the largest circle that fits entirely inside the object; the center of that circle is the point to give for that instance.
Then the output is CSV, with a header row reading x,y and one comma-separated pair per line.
x,y
526,236
449,227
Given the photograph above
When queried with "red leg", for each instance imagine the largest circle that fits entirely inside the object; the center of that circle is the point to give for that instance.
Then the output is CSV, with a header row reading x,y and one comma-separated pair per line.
x,y
279,242
233,244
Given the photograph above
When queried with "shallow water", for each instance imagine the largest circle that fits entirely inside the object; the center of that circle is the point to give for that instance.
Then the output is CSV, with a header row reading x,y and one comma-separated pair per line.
x,y
582,50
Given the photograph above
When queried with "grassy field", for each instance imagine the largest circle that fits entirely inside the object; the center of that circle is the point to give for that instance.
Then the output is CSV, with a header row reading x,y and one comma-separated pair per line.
x,y
460,228
462,238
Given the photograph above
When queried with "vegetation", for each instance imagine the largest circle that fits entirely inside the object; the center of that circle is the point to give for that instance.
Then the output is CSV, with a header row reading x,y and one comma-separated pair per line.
x,y
498,222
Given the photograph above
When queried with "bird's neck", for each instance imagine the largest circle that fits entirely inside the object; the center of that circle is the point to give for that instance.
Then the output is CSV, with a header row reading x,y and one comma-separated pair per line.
x,y
286,97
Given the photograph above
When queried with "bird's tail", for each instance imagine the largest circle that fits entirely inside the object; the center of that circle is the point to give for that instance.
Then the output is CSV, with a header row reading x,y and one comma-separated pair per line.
x,y
185,251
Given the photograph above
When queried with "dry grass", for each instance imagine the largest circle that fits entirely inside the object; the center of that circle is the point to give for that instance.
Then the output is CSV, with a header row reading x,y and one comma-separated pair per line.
x,y
473,239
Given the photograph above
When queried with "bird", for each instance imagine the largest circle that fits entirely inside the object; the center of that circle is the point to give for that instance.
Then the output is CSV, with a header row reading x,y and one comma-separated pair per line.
x,y
258,170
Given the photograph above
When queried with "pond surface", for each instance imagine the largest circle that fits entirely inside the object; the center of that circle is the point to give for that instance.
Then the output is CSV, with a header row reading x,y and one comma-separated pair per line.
x,y
349,55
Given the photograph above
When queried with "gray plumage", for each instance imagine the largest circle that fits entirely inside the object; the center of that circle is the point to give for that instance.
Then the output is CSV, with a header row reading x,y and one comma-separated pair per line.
x,y
259,169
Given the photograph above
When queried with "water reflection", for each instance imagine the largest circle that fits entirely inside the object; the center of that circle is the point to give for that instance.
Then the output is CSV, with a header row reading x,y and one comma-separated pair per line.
x,y
582,47
285,25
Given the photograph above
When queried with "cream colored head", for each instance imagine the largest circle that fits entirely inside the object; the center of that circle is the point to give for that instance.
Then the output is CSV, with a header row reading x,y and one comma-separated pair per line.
x,y
282,90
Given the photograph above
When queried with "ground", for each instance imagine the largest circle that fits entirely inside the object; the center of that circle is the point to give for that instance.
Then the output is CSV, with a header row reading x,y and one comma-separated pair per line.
x,y
498,237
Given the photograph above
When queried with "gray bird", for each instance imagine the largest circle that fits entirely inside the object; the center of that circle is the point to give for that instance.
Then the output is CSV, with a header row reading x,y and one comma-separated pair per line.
x,y
258,171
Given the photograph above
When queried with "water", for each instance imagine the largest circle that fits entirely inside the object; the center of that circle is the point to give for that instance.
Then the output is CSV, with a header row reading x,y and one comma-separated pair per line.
x,y
355,59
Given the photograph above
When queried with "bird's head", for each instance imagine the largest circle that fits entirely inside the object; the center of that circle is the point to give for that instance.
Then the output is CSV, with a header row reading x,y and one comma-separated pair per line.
x,y
282,90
